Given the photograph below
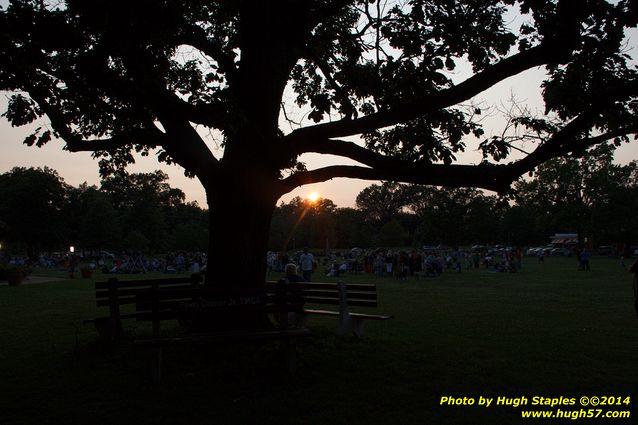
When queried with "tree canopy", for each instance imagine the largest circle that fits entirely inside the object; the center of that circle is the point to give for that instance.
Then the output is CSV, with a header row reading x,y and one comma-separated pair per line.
x,y
39,212
33,206
116,77
107,73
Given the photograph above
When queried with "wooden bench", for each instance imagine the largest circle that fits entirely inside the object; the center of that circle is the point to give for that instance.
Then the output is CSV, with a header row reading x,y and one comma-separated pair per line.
x,y
341,295
185,299
118,294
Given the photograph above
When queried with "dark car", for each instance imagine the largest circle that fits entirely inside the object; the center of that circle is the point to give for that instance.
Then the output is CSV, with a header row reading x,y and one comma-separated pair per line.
x,y
605,250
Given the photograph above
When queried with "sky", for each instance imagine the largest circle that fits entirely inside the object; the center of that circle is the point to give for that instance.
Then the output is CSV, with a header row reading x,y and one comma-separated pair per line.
x,y
77,168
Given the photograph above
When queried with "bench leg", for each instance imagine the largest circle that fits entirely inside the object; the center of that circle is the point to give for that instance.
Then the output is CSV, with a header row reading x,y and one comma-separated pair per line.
x,y
157,366
357,326
345,324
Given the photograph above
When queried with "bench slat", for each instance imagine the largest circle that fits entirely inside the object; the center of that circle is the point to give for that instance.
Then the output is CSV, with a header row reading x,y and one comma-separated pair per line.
x,y
335,295
358,315
304,295
332,301
146,282
365,287
372,316
105,302
321,312
126,292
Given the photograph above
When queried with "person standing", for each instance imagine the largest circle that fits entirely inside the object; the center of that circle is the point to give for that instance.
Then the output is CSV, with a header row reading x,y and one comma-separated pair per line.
x,y
584,259
306,261
73,262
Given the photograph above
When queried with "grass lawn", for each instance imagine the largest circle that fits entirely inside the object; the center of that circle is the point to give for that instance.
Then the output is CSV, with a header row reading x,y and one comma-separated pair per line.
x,y
548,330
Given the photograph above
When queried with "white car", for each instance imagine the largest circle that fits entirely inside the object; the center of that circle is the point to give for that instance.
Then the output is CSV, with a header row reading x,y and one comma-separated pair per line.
x,y
534,251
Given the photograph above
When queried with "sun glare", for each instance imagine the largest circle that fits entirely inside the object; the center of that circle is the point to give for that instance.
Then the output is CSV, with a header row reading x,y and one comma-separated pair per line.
x,y
313,197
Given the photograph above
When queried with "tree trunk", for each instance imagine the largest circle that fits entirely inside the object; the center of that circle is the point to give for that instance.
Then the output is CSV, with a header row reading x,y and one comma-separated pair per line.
x,y
240,215
238,243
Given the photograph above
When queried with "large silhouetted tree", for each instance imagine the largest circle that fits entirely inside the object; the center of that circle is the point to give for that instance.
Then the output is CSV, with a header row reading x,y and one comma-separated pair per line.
x,y
32,204
115,77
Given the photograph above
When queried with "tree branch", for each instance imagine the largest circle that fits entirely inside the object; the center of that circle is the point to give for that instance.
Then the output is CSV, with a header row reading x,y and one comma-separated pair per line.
x,y
200,41
474,85
342,94
187,148
155,94
319,39
75,143
570,137
345,149
148,89
564,142
324,12
147,137
208,114
181,141
151,92
495,177
485,176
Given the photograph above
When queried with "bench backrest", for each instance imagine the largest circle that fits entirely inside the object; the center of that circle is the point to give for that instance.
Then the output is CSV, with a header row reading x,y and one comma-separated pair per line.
x,y
184,297
356,294
114,293
126,291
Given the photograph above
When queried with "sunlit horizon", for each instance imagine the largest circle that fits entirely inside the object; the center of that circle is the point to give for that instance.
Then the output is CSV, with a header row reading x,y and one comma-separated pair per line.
x,y
313,197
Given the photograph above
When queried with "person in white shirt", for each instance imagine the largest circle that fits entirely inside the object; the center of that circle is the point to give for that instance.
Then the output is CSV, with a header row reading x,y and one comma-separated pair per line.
x,y
306,261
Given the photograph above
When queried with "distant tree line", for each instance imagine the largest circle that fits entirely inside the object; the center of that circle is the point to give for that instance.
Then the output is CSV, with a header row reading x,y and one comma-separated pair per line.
x,y
390,215
588,195
39,212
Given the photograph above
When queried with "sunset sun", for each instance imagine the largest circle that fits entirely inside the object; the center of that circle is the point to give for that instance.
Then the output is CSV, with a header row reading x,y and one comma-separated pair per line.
x,y
313,197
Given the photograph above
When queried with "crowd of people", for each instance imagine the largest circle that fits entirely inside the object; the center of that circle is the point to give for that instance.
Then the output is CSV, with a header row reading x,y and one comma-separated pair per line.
x,y
401,264
397,263
136,262
125,262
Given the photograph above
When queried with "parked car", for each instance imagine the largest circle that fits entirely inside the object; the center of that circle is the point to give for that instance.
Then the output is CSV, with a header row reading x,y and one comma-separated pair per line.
x,y
535,251
605,250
